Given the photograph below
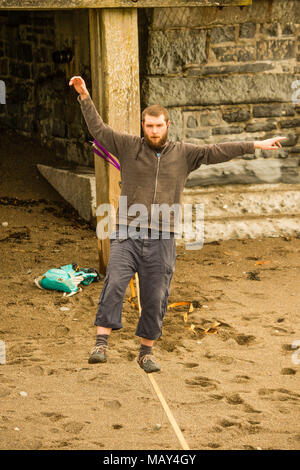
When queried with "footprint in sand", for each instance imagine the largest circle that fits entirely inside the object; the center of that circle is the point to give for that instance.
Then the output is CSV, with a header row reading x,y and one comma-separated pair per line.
x,y
169,346
54,430
4,379
61,331
249,409
4,391
279,394
36,370
222,359
117,426
34,444
276,331
53,416
225,278
241,379
130,356
253,422
234,399
73,427
243,340
191,365
288,371
216,396
203,382
213,445
228,423
59,444
112,404
215,429
144,399
91,301
34,359
256,295
98,444
287,347
251,428
97,379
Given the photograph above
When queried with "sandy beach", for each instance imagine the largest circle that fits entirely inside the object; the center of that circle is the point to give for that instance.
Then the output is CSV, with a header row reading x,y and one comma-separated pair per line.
x,y
235,387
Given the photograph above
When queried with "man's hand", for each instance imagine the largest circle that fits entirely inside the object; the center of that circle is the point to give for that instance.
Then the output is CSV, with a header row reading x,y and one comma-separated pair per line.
x,y
269,144
80,87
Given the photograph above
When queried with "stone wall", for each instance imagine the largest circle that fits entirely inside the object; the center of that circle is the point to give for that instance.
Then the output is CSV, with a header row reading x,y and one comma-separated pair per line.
x,y
228,74
224,74
39,100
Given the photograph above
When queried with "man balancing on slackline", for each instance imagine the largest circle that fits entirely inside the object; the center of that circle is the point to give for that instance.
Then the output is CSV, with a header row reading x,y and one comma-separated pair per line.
x,y
153,172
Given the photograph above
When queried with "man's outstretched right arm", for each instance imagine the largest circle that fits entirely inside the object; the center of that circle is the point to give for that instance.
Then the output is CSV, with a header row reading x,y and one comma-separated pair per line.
x,y
115,142
80,87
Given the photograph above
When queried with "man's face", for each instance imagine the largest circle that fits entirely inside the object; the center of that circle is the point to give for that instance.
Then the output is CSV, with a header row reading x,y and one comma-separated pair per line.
x,y
155,130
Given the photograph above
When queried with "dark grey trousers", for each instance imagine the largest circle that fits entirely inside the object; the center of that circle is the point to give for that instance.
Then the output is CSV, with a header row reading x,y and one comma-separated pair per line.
x,y
154,261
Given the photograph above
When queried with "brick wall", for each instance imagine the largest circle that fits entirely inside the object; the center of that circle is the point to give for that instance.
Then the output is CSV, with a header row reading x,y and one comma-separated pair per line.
x,y
227,74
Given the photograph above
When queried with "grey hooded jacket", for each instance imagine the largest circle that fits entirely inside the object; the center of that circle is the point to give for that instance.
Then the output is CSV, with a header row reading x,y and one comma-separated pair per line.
x,y
149,180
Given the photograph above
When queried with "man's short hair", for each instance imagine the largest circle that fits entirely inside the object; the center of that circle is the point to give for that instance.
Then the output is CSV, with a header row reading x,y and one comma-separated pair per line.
x,y
155,110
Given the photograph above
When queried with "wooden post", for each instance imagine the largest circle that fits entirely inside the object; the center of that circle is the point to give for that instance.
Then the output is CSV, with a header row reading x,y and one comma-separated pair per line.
x,y
115,92
72,4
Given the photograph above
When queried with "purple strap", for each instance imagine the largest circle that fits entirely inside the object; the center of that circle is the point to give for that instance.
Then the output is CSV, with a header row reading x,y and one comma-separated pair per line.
x,y
106,159
103,153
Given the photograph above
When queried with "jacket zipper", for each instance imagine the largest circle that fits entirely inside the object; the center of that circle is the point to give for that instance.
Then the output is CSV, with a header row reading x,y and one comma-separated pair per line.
x,y
156,178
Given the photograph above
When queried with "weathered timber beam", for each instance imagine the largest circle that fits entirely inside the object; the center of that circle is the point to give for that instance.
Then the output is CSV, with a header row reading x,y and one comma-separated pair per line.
x,y
115,92
71,4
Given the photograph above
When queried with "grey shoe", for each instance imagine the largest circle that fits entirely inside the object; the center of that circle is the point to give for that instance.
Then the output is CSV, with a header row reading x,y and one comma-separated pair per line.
x,y
148,364
98,354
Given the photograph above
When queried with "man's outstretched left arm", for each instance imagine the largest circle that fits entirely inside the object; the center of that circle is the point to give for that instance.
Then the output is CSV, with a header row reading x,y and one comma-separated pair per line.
x,y
210,154
269,144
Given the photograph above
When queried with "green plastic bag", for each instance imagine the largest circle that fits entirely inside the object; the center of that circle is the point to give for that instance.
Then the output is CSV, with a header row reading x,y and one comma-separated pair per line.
x,y
67,278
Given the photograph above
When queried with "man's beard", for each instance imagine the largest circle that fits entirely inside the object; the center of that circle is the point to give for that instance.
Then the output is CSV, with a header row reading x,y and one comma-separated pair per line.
x,y
158,143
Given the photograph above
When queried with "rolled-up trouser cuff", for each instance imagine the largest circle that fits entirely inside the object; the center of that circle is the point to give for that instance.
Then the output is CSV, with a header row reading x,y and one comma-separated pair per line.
x,y
98,322
142,334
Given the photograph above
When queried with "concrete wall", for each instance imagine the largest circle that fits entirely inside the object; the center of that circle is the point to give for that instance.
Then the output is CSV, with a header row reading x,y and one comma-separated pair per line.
x,y
227,74
38,98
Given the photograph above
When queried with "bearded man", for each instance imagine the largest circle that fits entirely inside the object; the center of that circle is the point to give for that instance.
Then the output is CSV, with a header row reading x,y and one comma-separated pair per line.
x,y
153,172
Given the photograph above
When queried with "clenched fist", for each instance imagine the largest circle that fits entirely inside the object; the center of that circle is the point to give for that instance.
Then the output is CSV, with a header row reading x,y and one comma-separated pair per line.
x,y
80,86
